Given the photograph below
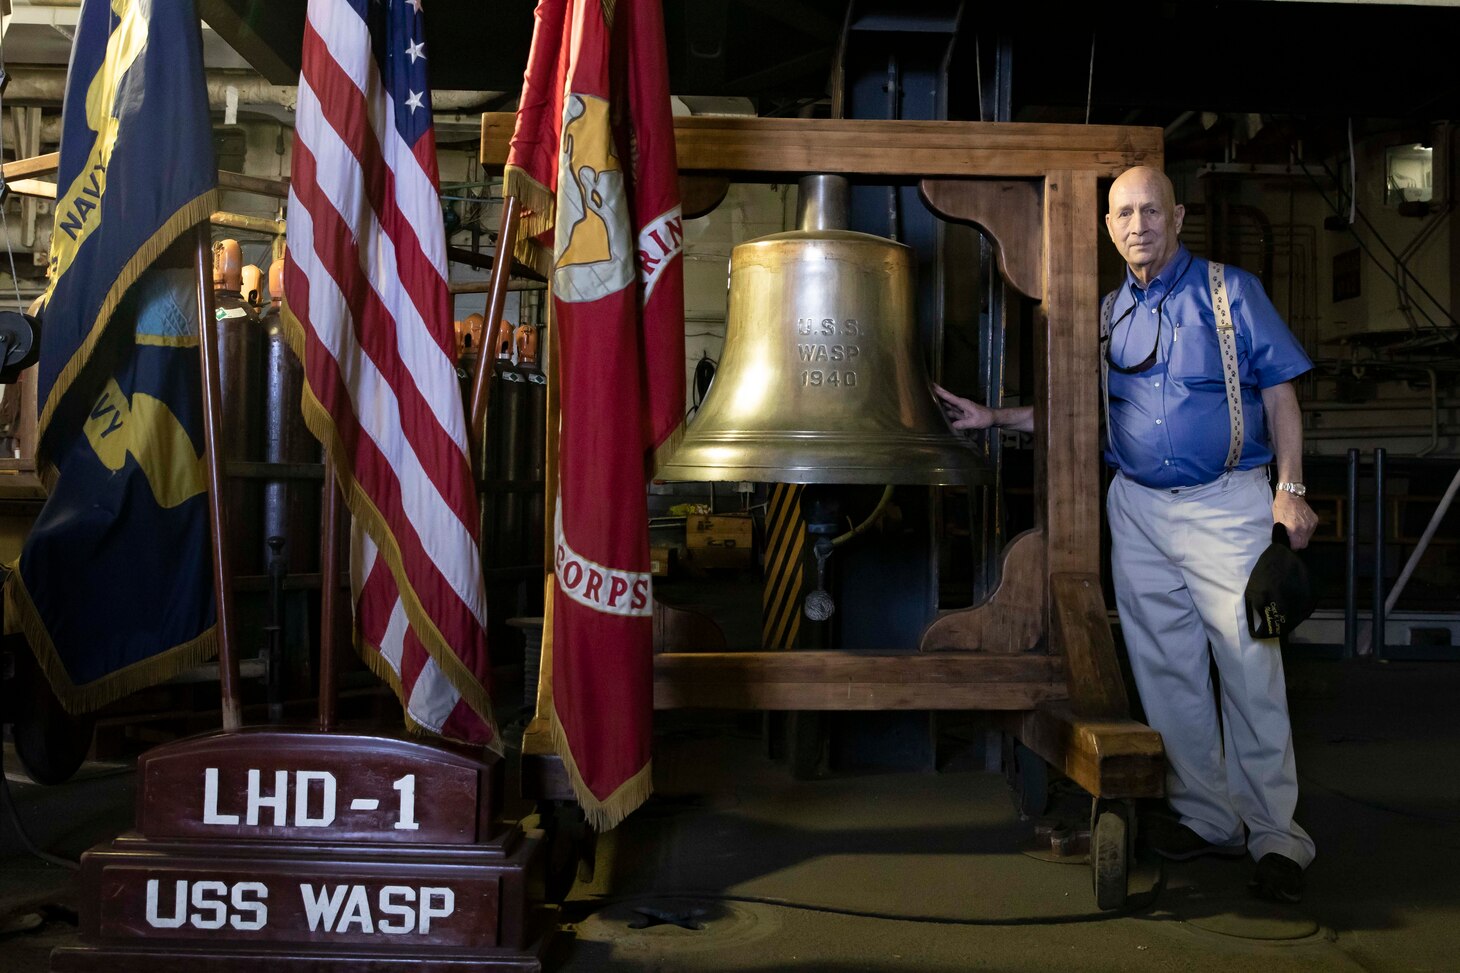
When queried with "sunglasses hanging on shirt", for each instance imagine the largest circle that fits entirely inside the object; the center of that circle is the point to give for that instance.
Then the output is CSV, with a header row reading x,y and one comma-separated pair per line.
x,y
1150,359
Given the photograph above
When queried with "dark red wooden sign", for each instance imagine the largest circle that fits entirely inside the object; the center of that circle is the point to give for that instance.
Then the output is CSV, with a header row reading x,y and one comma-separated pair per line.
x,y
268,849
391,906
273,785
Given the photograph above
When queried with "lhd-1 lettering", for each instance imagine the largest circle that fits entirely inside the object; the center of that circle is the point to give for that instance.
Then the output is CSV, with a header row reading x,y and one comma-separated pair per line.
x,y
269,797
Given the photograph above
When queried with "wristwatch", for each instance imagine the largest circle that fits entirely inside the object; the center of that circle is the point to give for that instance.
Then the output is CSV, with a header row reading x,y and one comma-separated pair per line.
x,y
1296,489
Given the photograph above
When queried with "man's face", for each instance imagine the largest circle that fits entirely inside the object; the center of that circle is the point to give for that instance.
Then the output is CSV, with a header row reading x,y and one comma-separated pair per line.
x,y
1144,221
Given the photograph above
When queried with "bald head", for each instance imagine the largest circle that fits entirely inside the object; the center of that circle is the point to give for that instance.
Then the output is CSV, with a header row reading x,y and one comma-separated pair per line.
x,y
1144,220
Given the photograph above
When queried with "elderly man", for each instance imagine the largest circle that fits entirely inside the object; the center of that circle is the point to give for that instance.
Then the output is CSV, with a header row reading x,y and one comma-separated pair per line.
x,y
1190,511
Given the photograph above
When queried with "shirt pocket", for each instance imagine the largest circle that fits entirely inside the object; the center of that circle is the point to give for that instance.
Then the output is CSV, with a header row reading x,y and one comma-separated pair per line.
x,y
1196,357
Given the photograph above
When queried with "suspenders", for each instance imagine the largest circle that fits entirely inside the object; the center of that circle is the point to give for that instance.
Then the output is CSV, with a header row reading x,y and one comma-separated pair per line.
x,y
1227,338
1227,342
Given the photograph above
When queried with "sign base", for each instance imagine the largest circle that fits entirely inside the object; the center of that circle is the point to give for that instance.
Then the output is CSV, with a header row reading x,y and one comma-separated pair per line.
x,y
273,849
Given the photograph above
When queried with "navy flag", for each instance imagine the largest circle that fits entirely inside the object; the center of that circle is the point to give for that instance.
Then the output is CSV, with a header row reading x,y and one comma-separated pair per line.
x,y
113,588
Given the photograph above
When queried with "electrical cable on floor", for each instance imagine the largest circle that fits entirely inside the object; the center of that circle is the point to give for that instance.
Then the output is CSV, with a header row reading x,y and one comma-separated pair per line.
x,y
1376,806
13,813
1143,904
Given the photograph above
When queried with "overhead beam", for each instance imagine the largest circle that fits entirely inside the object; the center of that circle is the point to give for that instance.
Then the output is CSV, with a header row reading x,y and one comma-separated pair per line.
x,y
258,32
776,146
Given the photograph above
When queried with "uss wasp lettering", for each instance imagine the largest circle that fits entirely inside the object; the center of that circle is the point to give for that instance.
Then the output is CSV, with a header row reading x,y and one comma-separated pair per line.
x,y
208,905
348,909
844,352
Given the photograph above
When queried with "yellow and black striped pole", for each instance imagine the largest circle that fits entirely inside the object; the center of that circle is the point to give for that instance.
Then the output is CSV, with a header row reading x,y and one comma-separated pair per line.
x,y
784,571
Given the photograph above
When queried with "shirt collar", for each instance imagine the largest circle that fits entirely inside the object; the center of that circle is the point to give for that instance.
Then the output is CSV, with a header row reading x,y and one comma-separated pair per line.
x,y
1164,281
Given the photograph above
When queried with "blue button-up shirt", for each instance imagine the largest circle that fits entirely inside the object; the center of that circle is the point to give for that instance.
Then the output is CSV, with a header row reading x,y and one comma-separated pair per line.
x,y
1169,424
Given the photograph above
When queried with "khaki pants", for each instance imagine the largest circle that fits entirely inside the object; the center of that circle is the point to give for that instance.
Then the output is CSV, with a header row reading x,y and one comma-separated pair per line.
x,y
1181,559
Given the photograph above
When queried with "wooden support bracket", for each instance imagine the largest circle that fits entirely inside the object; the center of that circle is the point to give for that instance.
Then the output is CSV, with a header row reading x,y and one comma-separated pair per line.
x,y
1011,618
1010,211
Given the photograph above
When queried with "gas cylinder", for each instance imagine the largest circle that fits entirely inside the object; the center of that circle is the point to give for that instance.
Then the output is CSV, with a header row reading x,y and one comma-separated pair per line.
x,y
291,506
240,340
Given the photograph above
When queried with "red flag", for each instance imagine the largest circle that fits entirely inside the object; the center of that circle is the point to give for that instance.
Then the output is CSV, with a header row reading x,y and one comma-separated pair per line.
x,y
593,159
369,314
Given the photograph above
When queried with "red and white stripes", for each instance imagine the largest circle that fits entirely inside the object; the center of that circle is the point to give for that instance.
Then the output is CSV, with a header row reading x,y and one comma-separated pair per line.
x,y
365,278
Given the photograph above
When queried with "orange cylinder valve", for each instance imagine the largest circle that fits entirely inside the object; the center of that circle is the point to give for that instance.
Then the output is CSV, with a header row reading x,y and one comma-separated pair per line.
x,y
504,339
276,282
526,344
469,334
227,266
252,284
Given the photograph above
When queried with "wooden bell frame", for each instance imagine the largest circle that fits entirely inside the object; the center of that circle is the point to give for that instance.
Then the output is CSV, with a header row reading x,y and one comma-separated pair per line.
x,y
1039,648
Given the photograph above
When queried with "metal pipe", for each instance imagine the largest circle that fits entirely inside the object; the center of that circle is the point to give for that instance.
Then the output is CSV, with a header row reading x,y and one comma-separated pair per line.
x,y
244,221
217,482
485,287
1424,542
1434,414
1383,405
1351,559
1376,630
1378,432
47,85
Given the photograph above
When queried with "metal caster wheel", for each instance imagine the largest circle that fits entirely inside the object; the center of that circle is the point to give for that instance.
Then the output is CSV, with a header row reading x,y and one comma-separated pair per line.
x,y
1112,836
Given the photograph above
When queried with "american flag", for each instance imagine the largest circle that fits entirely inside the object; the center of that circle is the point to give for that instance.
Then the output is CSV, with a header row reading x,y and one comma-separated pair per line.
x,y
369,314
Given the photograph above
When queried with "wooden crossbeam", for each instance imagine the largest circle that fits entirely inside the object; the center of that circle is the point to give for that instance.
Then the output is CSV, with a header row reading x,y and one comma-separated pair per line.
x,y
1110,758
895,149
834,680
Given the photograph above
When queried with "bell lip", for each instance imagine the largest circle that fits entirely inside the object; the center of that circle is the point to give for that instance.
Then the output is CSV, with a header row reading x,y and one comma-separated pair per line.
x,y
807,456
941,471
828,236
823,475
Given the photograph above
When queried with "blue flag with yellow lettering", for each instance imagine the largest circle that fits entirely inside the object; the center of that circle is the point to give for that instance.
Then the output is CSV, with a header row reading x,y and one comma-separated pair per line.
x,y
113,589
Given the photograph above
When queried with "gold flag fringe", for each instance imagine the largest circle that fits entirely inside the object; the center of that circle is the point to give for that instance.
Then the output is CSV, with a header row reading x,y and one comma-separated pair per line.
x,y
322,425
375,660
21,616
188,215
539,211
537,736
544,735
609,812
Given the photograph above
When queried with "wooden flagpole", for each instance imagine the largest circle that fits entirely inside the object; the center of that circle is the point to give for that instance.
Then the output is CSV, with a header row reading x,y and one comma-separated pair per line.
x,y
329,585
481,388
217,481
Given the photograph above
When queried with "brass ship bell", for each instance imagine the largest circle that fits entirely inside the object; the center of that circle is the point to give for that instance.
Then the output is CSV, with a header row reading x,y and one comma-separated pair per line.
x,y
821,379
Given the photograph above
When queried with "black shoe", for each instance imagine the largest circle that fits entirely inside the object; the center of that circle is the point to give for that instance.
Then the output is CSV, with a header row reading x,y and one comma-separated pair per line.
x,y
1176,842
1278,878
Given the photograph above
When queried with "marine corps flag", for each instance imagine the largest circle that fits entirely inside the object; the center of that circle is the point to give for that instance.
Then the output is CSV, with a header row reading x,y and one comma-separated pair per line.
x,y
593,162
113,588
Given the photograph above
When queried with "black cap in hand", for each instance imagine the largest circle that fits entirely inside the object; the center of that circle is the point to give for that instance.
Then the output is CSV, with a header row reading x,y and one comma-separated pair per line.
x,y
1279,595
